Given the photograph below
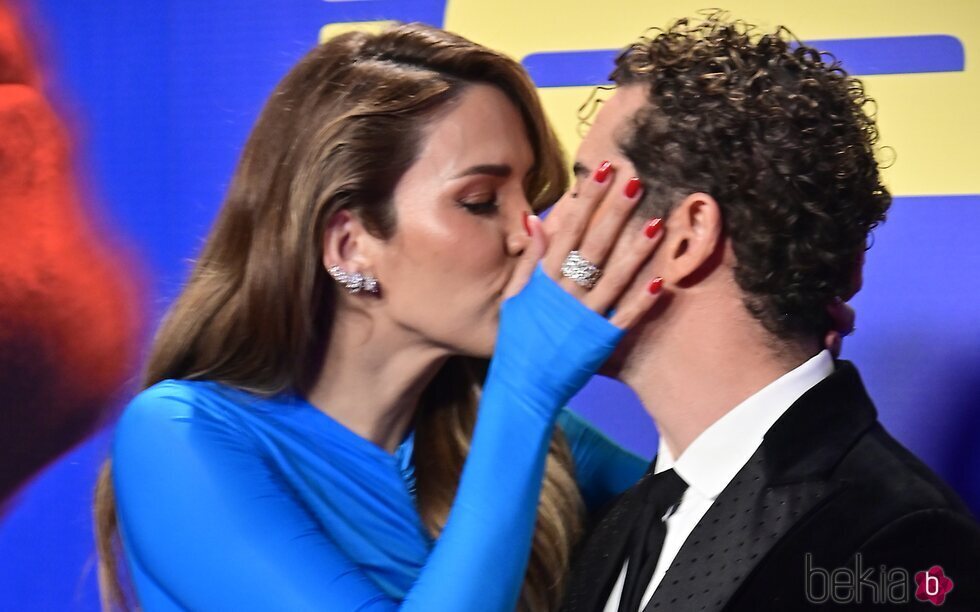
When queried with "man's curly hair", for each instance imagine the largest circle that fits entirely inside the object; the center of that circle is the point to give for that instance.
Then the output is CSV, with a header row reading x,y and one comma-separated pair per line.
x,y
776,132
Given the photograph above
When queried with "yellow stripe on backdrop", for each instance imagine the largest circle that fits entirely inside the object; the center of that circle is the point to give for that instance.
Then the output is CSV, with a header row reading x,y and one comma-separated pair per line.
x,y
928,119
333,29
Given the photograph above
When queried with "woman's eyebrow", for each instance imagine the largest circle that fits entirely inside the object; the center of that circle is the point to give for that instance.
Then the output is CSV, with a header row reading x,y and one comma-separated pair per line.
x,y
499,170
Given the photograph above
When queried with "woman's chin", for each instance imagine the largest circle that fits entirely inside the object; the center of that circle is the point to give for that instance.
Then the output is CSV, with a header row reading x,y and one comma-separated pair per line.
x,y
477,339
481,346
483,350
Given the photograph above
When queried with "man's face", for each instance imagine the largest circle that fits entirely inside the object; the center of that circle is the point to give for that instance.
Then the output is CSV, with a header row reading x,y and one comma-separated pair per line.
x,y
602,141
609,127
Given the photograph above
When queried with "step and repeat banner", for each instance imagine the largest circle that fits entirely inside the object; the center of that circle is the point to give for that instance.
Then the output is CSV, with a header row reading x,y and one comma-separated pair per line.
x,y
159,96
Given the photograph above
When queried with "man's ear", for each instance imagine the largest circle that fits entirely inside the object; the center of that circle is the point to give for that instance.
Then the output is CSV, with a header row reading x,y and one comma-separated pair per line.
x,y
346,243
694,239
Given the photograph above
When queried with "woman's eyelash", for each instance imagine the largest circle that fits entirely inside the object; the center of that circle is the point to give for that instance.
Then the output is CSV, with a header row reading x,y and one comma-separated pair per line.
x,y
481,208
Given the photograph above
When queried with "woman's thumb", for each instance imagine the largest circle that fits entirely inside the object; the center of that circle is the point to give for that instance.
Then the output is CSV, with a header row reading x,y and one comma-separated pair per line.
x,y
536,247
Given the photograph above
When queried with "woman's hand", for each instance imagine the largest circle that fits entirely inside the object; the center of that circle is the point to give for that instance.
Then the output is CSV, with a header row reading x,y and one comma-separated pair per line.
x,y
842,317
553,336
591,221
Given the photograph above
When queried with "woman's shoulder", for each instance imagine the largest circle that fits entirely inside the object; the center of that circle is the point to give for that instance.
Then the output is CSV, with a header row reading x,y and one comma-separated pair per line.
x,y
603,469
171,408
174,398
175,391
572,423
579,432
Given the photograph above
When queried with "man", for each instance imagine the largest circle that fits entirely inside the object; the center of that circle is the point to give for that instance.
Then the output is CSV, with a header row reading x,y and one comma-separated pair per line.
x,y
775,487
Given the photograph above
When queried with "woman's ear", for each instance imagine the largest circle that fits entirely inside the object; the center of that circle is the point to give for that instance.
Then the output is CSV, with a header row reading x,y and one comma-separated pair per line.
x,y
694,239
347,244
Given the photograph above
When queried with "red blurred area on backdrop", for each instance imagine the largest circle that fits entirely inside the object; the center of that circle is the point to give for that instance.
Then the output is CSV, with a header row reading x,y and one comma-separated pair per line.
x,y
69,316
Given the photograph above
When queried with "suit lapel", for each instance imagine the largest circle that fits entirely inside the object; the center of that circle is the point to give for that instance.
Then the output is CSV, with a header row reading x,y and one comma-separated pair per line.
x,y
601,558
743,524
785,480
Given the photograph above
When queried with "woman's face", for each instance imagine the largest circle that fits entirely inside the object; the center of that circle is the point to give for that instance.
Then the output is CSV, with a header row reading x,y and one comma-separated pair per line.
x,y
459,226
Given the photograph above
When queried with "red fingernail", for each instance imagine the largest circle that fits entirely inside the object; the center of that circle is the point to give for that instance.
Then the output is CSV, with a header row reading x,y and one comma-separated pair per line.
x,y
652,228
602,172
632,187
656,285
527,223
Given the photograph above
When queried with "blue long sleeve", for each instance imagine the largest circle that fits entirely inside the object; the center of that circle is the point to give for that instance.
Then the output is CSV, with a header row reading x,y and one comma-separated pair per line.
x,y
227,501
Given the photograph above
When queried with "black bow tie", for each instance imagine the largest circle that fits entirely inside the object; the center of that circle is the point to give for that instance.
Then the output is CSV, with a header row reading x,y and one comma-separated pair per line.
x,y
658,493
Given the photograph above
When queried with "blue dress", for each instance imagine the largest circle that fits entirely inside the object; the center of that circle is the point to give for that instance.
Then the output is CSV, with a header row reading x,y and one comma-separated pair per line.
x,y
229,501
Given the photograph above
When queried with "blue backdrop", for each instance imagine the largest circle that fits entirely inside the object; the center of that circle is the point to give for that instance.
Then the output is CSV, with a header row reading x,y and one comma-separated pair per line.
x,y
163,94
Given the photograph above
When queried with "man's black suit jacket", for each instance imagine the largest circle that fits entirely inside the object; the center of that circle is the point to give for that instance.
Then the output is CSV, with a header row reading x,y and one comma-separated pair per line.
x,y
828,506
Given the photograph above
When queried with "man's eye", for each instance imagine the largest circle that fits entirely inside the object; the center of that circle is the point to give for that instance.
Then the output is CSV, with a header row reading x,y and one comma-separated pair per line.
x,y
487,207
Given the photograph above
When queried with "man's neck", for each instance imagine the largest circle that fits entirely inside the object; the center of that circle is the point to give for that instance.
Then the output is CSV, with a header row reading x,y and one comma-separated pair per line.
x,y
694,370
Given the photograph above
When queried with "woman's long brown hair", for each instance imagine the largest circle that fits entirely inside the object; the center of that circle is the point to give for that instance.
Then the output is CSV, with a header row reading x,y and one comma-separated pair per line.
x,y
338,133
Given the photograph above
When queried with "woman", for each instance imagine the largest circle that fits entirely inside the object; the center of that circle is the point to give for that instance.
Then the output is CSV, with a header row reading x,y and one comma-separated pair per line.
x,y
301,441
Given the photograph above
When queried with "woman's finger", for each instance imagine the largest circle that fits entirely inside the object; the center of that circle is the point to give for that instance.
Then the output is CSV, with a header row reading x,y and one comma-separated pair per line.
x,y
637,303
534,251
628,258
834,342
604,231
842,316
576,213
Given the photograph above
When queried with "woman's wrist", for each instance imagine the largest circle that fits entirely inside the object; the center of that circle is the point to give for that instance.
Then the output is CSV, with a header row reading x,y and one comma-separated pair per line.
x,y
549,344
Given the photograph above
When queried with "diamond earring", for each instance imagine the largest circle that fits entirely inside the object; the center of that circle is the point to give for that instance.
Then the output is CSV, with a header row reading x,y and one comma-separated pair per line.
x,y
354,283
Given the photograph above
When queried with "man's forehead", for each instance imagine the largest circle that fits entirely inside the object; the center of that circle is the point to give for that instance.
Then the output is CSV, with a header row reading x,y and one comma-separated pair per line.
x,y
610,126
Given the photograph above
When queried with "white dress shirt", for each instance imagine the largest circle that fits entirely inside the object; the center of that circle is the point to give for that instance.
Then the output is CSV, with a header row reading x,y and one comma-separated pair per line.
x,y
716,456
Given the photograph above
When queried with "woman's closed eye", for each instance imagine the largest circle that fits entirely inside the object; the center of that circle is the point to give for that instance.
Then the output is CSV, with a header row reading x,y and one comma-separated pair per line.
x,y
478,206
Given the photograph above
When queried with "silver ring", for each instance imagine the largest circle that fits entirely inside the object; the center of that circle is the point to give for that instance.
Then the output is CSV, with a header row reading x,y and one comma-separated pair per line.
x,y
580,270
